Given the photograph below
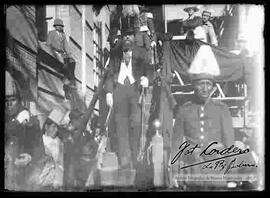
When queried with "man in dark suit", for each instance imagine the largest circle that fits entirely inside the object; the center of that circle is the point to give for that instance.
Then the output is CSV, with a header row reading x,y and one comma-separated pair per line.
x,y
129,71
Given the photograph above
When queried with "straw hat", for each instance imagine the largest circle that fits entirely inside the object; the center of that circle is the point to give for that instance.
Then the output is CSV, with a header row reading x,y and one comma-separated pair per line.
x,y
195,8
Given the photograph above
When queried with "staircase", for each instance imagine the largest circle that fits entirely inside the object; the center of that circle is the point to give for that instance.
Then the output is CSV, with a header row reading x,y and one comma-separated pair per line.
x,y
109,173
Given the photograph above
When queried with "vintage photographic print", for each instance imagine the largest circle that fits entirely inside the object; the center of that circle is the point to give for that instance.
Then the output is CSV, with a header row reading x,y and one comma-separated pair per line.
x,y
134,98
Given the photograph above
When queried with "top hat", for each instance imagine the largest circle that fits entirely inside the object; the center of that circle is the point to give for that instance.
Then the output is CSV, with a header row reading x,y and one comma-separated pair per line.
x,y
128,31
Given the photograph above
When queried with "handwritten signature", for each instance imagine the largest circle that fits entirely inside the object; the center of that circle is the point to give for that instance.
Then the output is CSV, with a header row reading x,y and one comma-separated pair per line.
x,y
187,149
223,165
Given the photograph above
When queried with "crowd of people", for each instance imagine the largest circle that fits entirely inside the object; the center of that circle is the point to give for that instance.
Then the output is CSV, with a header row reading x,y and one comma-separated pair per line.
x,y
60,156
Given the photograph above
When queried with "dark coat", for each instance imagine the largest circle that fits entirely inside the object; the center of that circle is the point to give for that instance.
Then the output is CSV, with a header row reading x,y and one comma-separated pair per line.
x,y
201,127
190,24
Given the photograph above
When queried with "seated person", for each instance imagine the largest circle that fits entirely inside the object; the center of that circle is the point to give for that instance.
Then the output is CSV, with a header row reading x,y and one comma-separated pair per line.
x,y
58,42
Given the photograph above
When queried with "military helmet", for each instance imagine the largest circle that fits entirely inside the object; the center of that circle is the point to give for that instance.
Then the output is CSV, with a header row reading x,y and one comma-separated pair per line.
x,y
58,22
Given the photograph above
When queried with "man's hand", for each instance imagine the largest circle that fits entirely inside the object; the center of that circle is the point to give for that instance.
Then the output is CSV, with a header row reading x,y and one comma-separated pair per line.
x,y
23,117
24,159
109,99
144,81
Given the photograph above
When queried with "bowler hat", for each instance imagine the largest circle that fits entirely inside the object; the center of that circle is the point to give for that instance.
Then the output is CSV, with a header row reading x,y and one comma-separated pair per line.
x,y
58,22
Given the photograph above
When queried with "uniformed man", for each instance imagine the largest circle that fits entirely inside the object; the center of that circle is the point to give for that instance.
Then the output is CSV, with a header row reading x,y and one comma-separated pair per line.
x,y
201,120
58,42
208,28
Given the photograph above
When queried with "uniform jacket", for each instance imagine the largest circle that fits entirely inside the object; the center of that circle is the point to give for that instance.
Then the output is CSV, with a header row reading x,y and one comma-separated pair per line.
x,y
57,43
216,126
140,67
197,126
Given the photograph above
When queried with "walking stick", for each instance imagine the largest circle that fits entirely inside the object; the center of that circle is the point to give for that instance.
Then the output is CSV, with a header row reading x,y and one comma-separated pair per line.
x,y
142,138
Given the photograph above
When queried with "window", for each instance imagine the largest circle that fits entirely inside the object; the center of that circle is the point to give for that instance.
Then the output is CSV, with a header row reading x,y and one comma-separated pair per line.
x,y
98,55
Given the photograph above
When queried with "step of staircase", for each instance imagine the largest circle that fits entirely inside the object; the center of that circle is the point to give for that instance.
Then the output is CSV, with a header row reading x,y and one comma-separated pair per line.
x,y
117,177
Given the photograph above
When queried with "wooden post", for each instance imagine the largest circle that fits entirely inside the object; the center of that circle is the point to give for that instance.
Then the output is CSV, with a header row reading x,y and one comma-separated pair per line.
x,y
83,55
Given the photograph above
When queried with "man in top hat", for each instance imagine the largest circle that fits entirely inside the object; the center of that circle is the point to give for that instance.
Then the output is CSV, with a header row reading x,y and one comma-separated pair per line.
x,y
128,73
208,28
192,21
58,42
201,121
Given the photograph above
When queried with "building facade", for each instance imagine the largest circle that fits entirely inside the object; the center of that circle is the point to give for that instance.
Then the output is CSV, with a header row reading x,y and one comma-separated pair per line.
x,y
28,27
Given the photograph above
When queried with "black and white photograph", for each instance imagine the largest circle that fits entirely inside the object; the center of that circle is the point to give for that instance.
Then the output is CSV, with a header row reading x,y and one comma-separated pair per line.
x,y
115,98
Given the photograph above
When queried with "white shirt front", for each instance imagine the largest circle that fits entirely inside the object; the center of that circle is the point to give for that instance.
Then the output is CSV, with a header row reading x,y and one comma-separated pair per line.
x,y
126,71
52,146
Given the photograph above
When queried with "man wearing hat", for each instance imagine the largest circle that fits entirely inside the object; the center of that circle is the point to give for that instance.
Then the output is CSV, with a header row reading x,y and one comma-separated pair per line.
x,y
208,28
192,21
201,121
128,73
48,170
20,137
57,41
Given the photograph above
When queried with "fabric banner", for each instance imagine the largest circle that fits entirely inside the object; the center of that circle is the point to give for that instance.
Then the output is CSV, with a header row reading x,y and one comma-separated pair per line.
x,y
178,55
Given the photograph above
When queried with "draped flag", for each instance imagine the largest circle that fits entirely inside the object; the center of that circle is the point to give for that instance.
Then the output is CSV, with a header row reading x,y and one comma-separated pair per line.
x,y
179,54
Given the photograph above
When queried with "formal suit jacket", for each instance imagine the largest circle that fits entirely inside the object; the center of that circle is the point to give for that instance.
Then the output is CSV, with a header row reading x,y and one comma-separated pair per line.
x,y
140,67
57,42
